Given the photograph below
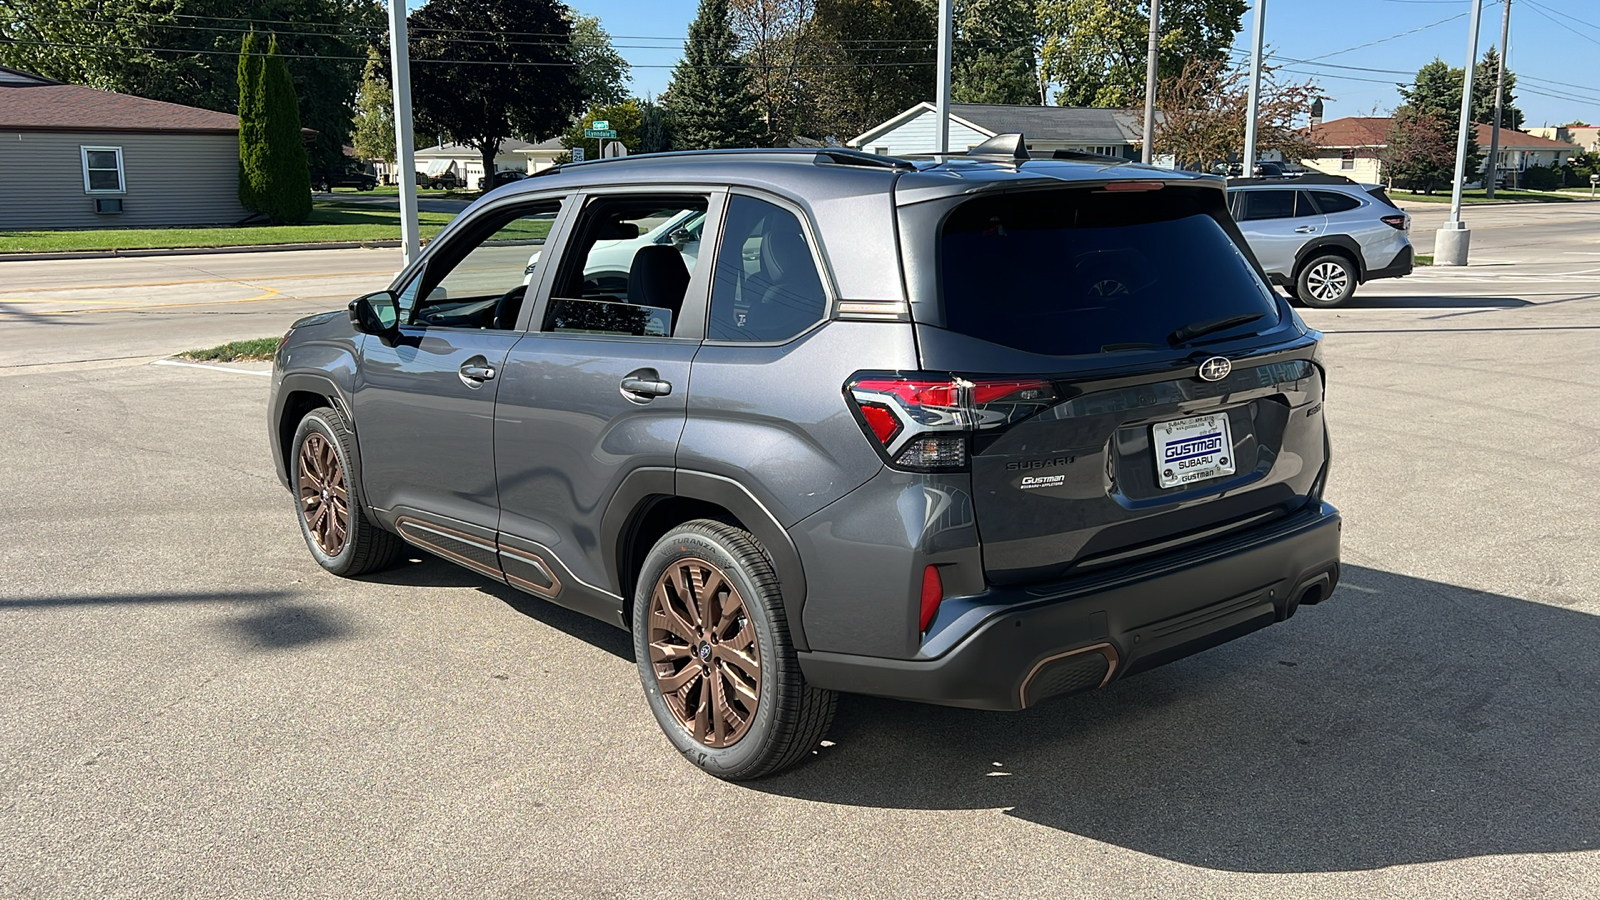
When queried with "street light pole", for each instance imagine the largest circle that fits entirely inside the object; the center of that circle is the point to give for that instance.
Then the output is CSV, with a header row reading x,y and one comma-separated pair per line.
x,y
1254,111
1148,151
1450,242
405,145
1499,103
946,38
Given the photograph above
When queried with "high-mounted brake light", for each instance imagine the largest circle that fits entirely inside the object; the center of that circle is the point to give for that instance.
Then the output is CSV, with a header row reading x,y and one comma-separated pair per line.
x,y
1134,186
922,422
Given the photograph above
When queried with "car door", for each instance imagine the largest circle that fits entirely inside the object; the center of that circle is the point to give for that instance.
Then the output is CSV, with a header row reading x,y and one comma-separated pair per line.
x,y
596,390
424,401
1277,222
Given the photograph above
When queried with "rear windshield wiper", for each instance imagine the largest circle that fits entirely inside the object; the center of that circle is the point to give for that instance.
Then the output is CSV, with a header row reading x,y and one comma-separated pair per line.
x,y
1209,326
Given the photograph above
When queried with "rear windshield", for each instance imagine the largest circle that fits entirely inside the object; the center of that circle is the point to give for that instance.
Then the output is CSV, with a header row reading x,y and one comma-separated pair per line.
x,y
1080,271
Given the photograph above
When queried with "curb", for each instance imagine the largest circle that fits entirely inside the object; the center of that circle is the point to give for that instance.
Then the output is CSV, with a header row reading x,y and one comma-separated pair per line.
x,y
197,251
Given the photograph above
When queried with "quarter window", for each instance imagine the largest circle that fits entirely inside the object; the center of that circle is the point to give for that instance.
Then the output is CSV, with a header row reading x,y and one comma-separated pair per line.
x,y
102,170
1330,202
1269,204
766,286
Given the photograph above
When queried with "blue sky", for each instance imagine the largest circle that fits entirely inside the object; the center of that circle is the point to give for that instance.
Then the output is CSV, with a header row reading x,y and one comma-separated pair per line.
x,y
1555,46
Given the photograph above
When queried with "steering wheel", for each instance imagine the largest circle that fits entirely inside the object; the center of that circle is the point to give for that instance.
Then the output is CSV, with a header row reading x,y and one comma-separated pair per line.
x,y
506,308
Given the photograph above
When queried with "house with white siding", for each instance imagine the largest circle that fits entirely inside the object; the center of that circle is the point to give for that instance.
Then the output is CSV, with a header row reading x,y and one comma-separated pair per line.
x,y
75,157
913,133
467,163
1354,147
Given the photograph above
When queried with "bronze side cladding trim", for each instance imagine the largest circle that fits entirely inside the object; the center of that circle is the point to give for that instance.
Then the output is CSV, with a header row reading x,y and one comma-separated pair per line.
x,y
1104,649
549,592
407,525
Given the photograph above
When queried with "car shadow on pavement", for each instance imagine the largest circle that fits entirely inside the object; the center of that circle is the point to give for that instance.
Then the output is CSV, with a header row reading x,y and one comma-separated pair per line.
x,y
270,623
1402,721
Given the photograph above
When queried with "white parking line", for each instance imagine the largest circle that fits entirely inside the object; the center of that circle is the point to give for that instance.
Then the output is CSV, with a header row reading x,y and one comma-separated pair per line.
x,y
190,365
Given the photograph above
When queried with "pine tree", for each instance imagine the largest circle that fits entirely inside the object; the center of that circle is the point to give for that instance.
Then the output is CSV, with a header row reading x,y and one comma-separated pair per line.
x,y
252,128
286,193
711,99
1436,93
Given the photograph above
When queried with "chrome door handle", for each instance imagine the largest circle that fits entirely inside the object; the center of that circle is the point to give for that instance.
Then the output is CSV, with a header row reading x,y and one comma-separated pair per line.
x,y
476,371
646,387
1305,229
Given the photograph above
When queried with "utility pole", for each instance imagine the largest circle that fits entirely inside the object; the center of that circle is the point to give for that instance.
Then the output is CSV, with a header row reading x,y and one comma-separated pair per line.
x,y
1254,111
405,145
1499,102
946,38
1148,151
1450,242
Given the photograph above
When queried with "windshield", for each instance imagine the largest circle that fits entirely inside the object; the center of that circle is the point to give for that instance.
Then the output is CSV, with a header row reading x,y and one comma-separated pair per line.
x,y
1084,270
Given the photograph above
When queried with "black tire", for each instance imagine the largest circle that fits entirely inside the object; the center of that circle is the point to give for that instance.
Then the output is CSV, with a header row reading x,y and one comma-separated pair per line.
x,y
1326,281
790,717
324,187
364,546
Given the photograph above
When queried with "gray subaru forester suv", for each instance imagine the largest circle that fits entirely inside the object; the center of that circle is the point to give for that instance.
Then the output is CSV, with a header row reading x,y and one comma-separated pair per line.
x,y
978,432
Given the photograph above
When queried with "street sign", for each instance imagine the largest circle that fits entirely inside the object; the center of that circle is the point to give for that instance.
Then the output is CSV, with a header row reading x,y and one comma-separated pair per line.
x,y
613,149
599,133
601,124
577,154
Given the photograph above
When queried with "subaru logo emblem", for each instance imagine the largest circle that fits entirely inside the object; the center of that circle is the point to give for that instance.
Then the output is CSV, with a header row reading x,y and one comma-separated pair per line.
x,y
1215,369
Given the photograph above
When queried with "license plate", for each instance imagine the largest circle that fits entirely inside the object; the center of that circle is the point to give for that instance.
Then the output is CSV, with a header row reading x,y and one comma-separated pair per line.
x,y
1193,449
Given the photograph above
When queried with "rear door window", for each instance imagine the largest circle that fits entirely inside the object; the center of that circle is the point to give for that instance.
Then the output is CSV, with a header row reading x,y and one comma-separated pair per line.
x,y
628,266
1084,271
1260,205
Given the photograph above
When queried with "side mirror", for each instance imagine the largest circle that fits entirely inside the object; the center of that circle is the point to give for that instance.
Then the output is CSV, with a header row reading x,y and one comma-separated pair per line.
x,y
377,313
681,238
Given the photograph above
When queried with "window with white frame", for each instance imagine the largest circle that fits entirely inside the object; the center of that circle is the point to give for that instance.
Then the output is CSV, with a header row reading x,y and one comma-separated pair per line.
x,y
1347,159
102,170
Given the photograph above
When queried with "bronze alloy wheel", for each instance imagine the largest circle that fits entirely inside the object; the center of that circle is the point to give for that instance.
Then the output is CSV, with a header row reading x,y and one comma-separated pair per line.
x,y
704,653
323,499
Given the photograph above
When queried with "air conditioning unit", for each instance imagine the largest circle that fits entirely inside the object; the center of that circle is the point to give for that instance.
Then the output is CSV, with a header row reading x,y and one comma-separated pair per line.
x,y
108,206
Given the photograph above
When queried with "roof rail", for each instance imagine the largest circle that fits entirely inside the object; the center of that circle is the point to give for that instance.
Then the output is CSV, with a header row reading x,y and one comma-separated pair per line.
x,y
1291,180
835,155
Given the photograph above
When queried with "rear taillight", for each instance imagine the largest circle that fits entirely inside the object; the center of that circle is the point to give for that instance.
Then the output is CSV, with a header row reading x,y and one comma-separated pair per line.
x,y
1394,221
932,596
922,422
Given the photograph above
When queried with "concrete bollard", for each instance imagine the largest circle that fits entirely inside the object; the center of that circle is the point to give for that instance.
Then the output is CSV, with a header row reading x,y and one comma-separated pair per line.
x,y
1450,244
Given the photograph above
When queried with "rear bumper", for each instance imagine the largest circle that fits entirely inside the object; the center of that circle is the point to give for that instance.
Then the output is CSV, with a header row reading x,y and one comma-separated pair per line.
x,y
1402,264
1021,647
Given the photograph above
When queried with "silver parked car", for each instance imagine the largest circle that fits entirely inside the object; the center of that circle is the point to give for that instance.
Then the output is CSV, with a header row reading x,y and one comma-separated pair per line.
x,y
1321,235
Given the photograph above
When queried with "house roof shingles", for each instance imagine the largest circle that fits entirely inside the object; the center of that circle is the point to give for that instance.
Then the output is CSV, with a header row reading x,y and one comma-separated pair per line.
x,y
31,103
1052,123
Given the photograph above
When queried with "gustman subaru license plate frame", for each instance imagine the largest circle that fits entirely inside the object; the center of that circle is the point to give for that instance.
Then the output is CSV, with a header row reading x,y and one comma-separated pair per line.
x,y
1197,448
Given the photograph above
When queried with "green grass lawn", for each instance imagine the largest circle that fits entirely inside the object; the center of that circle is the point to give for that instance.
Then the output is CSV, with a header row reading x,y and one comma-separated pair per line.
x,y
392,190
1476,196
329,222
1423,259
233,351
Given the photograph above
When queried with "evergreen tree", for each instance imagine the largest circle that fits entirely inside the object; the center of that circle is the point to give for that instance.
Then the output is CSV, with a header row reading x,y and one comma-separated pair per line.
x,y
993,53
655,132
711,99
252,123
1483,94
1436,94
286,193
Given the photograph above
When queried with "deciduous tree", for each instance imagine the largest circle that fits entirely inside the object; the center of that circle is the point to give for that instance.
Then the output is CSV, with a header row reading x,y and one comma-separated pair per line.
x,y
1093,51
1432,103
500,84
624,118
1202,114
993,53
184,52
874,59
601,69
1420,151
776,42
373,135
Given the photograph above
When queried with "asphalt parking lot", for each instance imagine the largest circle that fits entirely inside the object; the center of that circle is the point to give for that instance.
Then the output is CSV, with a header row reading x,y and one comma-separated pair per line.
x,y
194,708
